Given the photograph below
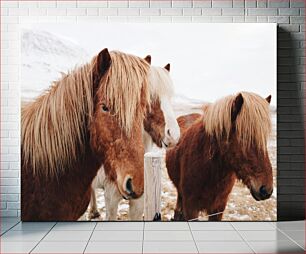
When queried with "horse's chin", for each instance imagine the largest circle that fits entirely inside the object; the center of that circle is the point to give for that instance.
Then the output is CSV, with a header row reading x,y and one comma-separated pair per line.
x,y
255,195
164,144
252,191
168,143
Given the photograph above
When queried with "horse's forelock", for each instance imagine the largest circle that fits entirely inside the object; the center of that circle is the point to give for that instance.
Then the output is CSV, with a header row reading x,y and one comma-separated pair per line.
x,y
126,88
252,125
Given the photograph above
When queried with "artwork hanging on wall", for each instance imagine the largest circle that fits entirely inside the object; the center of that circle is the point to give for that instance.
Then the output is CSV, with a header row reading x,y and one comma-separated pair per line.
x,y
148,122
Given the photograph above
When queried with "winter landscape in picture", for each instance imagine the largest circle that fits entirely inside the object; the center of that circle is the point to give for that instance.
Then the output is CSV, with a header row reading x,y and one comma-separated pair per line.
x,y
207,63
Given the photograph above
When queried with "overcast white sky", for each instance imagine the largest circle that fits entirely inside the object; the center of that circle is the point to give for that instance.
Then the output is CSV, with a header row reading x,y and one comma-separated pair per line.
x,y
208,61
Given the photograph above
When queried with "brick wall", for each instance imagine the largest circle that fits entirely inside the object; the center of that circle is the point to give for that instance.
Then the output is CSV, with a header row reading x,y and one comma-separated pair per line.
x,y
289,14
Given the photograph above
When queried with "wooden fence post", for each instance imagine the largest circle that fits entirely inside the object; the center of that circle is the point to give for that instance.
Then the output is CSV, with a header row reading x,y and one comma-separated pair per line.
x,y
153,162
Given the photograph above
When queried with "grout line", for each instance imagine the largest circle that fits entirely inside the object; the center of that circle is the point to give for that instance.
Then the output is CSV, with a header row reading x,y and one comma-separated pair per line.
x,y
243,238
232,225
10,228
93,230
283,232
193,237
143,232
274,225
42,238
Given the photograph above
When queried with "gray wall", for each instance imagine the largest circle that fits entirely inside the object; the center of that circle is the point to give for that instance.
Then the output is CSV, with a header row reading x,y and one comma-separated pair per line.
x,y
289,14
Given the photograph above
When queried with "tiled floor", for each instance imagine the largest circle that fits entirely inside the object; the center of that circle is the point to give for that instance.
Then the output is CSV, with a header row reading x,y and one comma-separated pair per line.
x,y
152,237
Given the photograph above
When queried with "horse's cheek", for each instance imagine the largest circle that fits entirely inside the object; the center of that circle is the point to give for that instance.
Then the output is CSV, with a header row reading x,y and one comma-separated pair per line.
x,y
100,138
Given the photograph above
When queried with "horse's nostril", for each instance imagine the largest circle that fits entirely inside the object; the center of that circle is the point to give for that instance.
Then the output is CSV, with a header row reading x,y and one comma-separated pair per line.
x,y
263,191
129,186
168,132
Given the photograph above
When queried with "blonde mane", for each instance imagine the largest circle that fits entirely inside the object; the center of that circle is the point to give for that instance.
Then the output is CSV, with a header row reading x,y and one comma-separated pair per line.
x,y
253,123
127,88
160,83
54,126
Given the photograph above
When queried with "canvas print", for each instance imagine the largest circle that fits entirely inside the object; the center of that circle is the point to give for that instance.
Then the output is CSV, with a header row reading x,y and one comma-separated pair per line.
x,y
164,122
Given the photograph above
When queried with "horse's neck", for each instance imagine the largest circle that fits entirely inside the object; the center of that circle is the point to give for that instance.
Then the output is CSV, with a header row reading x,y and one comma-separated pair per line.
x,y
218,162
205,149
87,167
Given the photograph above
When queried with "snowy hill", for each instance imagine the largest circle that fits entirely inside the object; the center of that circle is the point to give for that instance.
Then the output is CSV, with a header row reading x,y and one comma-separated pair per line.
x,y
183,105
44,57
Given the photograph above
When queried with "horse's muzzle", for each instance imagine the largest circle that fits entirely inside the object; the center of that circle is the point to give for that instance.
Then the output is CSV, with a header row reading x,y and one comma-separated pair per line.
x,y
130,196
262,194
129,191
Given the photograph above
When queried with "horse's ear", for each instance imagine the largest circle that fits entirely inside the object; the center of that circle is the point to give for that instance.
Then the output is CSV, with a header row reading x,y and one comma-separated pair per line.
x,y
148,59
236,107
167,67
268,99
103,61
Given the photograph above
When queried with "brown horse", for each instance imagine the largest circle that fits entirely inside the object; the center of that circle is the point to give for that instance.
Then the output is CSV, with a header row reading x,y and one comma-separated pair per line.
x,y
228,142
92,116
160,128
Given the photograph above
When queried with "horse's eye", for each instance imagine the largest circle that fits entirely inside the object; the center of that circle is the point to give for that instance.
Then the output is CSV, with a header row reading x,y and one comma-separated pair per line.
x,y
105,108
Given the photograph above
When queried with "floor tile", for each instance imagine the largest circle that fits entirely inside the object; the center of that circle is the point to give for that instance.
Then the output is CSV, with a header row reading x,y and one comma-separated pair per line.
x,y
9,220
70,226
106,236
223,247
276,247
216,236
301,243
169,247
23,236
221,226
8,224
253,226
33,226
297,236
6,227
291,225
17,247
274,235
69,236
114,247
273,223
60,247
167,236
119,226
3,230
166,226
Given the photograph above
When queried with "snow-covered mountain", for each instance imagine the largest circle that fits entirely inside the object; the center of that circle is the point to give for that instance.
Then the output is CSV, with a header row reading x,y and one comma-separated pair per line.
x,y
44,57
183,105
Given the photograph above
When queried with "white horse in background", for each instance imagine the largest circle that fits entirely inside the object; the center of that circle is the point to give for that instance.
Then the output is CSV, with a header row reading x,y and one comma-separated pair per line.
x,y
161,88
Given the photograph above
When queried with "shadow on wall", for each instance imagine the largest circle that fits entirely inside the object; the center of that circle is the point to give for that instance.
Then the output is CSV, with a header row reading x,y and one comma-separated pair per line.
x,y
290,129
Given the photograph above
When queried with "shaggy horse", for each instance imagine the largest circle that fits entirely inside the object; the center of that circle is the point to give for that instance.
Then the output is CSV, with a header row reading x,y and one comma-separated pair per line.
x,y
92,116
228,142
160,127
